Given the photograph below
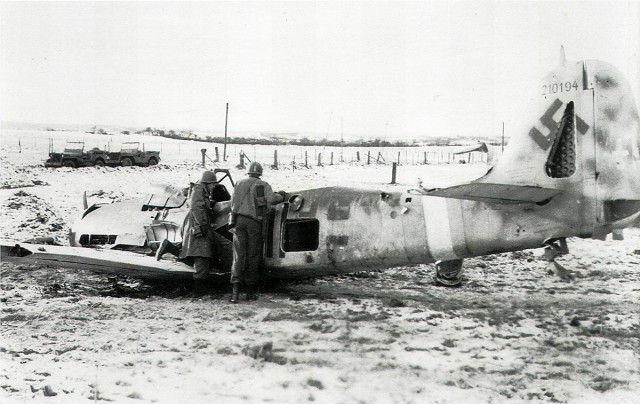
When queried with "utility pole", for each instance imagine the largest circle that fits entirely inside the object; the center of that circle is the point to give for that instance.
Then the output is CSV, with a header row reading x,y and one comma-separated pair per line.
x,y
226,119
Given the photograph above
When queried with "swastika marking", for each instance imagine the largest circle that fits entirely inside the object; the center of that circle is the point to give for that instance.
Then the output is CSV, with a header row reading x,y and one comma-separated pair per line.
x,y
545,141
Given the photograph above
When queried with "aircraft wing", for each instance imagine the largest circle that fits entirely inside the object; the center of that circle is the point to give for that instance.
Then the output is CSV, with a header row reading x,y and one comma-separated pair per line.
x,y
97,260
496,193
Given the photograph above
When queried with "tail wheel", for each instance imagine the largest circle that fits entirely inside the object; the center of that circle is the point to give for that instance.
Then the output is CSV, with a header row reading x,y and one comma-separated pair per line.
x,y
69,163
153,161
126,162
99,163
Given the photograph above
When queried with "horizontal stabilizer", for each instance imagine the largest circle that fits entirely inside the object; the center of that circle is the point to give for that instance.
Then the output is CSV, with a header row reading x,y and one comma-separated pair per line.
x,y
482,148
497,193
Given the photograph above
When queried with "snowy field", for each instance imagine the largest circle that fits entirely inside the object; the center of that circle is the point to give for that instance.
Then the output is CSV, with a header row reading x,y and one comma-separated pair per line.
x,y
513,332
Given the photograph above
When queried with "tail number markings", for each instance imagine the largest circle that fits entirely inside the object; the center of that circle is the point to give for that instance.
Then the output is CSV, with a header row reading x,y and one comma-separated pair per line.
x,y
559,87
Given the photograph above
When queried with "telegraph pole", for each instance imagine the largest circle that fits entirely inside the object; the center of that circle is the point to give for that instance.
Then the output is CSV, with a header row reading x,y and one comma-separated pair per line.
x,y
226,119
502,150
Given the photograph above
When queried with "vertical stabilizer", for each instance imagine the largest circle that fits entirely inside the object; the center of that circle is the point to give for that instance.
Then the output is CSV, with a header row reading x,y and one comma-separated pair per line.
x,y
581,152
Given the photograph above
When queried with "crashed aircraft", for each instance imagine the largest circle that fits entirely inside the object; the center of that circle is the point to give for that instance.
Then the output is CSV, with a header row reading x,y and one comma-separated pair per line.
x,y
575,173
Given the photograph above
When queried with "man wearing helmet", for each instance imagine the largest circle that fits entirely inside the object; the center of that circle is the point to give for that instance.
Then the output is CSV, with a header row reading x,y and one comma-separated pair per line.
x,y
249,207
196,242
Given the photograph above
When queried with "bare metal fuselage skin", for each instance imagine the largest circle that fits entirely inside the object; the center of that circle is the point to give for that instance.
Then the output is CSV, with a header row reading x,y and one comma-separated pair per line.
x,y
576,172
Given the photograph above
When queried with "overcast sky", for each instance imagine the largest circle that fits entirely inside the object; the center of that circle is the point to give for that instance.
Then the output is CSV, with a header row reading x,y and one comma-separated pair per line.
x,y
365,68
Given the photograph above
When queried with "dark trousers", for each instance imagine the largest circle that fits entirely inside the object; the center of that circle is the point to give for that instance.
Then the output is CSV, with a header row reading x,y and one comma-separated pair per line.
x,y
247,251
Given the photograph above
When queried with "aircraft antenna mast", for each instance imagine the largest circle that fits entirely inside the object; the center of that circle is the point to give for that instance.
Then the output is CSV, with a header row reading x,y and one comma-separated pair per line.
x,y
226,118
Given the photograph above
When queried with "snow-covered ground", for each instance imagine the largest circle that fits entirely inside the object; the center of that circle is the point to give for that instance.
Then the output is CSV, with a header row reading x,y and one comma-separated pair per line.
x,y
514,331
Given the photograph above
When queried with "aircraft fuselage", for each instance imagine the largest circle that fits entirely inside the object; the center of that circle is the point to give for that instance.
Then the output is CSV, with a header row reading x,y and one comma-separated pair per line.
x,y
346,230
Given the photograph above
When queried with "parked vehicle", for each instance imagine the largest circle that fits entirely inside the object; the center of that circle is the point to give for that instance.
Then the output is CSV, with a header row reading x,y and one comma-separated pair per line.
x,y
75,156
130,155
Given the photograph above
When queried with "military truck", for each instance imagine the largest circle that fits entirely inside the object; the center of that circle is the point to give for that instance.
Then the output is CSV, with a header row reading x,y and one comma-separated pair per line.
x,y
74,156
130,155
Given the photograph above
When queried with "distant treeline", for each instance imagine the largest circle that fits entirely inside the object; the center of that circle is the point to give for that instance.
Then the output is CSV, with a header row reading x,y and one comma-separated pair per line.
x,y
311,142
304,141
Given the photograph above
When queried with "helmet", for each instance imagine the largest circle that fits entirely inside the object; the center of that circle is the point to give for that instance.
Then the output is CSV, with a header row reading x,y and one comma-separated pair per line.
x,y
255,168
208,176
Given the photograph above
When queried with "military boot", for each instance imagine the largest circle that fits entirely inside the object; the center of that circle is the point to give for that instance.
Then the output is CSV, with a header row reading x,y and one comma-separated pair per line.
x,y
165,247
252,294
235,293
199,288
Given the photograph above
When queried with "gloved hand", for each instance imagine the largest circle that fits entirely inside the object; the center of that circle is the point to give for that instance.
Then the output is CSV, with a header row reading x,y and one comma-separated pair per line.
x,y
283,194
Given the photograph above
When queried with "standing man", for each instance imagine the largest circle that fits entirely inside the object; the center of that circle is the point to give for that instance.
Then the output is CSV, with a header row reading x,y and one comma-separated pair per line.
x,y
249,207
196,242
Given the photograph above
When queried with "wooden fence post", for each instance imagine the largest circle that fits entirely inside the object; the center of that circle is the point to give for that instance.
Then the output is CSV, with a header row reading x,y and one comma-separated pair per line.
x,y
204,155
241,165
306,165
331,158
393,173
275,159
319,159
368,157
217,155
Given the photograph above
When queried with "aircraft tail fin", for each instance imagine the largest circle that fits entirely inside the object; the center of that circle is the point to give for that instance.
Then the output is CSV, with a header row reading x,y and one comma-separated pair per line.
x,y
582,145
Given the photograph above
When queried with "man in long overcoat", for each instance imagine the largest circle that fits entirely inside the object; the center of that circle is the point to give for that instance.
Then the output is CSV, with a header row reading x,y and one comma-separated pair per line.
x,y
196,240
